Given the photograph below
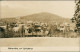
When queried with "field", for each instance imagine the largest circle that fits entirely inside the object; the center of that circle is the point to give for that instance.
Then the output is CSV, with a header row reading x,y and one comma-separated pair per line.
x,y
39,41
42,43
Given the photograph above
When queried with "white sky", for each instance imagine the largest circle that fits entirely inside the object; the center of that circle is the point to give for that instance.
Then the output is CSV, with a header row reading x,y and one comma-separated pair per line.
x,y
22,8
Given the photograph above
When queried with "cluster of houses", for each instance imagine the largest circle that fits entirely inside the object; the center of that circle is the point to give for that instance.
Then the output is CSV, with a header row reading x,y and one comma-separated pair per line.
x,y
35,28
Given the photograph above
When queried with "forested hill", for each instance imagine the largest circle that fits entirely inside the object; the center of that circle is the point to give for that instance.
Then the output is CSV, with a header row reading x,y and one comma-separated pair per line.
x,y
44,16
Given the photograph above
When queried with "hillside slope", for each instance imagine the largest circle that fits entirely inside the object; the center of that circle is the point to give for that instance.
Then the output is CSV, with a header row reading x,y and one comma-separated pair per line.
x,y
44,16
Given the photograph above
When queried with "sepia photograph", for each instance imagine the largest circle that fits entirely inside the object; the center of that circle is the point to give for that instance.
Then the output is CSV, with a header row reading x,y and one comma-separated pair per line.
x,y
40,24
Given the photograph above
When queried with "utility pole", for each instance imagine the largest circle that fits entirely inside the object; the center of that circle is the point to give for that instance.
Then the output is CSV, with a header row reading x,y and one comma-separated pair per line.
x,y
23,31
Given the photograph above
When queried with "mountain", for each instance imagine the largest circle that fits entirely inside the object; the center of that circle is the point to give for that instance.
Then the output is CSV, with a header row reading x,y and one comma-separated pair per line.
x,y
44,17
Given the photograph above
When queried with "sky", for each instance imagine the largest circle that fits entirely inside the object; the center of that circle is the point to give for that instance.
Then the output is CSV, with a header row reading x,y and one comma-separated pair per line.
x,y
22,8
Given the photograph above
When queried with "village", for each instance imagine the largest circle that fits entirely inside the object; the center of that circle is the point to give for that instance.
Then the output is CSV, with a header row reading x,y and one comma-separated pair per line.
x,y
37,29
27,26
